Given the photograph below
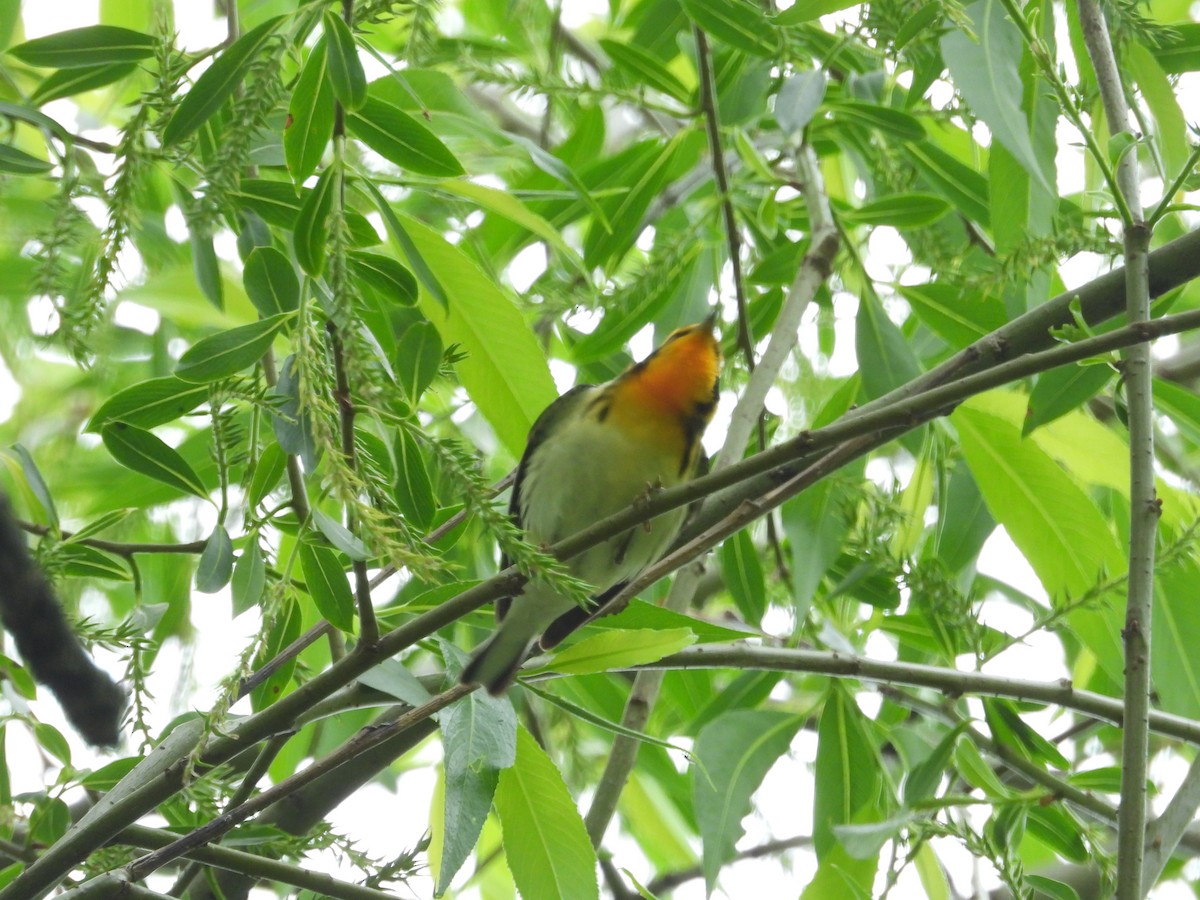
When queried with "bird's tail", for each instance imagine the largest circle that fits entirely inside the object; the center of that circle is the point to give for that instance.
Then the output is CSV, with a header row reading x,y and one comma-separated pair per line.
x,y
495,663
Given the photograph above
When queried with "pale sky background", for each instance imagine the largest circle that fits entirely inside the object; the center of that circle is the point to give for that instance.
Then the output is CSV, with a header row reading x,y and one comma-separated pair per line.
x,y
782,806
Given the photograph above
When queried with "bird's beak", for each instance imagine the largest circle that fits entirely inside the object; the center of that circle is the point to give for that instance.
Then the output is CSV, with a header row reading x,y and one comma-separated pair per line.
x,y
711,322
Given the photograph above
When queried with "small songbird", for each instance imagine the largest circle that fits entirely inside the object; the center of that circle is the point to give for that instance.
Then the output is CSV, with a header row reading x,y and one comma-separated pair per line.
x,y
594,451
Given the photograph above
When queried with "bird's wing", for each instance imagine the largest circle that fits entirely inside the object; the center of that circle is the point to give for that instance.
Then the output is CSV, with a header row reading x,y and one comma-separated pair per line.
x,y
551,417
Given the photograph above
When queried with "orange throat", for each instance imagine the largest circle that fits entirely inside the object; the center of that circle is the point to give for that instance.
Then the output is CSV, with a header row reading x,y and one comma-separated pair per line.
x,y
677,380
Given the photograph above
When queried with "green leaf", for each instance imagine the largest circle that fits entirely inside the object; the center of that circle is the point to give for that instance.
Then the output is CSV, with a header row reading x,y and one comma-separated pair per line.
x,y
67,82
1159,94
402,140
739,23
18,162
742,572
545,841
228,352
267,473
327,585
206,265
645,69
345,69
808,10
310,117
816,523
216,562
913,209
311,233
508,206
144,452
271,282
962,185
1008,727
1050,518
798,100
35,481
340,536
414,491
1178,49
848,778
218,82
51,740
865,841
1173,661
1055,890
957,318
90,46
387,276
1055,827
479,734
988,75
620,649
735,753
82,561
640,615
249,578
504,370
923,779
895,123
418,358
1059,391
886,359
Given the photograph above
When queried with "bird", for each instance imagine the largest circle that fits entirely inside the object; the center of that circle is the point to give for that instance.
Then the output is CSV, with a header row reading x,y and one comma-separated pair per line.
x,y
594,451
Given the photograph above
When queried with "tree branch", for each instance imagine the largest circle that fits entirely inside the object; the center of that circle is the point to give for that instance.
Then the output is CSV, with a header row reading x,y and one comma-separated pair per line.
x,y
1144,509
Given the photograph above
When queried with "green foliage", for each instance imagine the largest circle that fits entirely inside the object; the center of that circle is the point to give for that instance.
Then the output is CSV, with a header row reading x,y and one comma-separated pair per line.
x,y
281,311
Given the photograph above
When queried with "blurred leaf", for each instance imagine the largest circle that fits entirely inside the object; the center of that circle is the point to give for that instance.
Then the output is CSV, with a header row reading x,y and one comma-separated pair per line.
x,y
798,100
402,140
985,68
343,65
216,562
271,282
742,571
1059,391
645,69
739,23
327,585
217,83
89,46
848,777
249,579
67,82
18,162
340,536
414,491
311,232
545,841
620,649
143,452
228,352
735,752
310,117
149,403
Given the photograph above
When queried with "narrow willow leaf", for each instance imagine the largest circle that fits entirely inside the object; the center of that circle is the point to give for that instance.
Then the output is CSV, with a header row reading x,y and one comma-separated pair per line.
x,y
1059,391
267,474
418,358
742,572
340,536
142,451
310,117
545,841
1178,48
798,100
735,751
847,776
216,562
912,209
249,578
640,615
414,490
645,69
479,734
327,585
887,360
504,370
799,13
36,483
1059,830
218,83
18,162
1049,887
739,23
285,629
620,649
987,73
206,265
922,780
82,561
345,69
895,123
228,352
311,234
386,275
401,139
961,185
289,421
67,82
271,282
957,319
90,46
